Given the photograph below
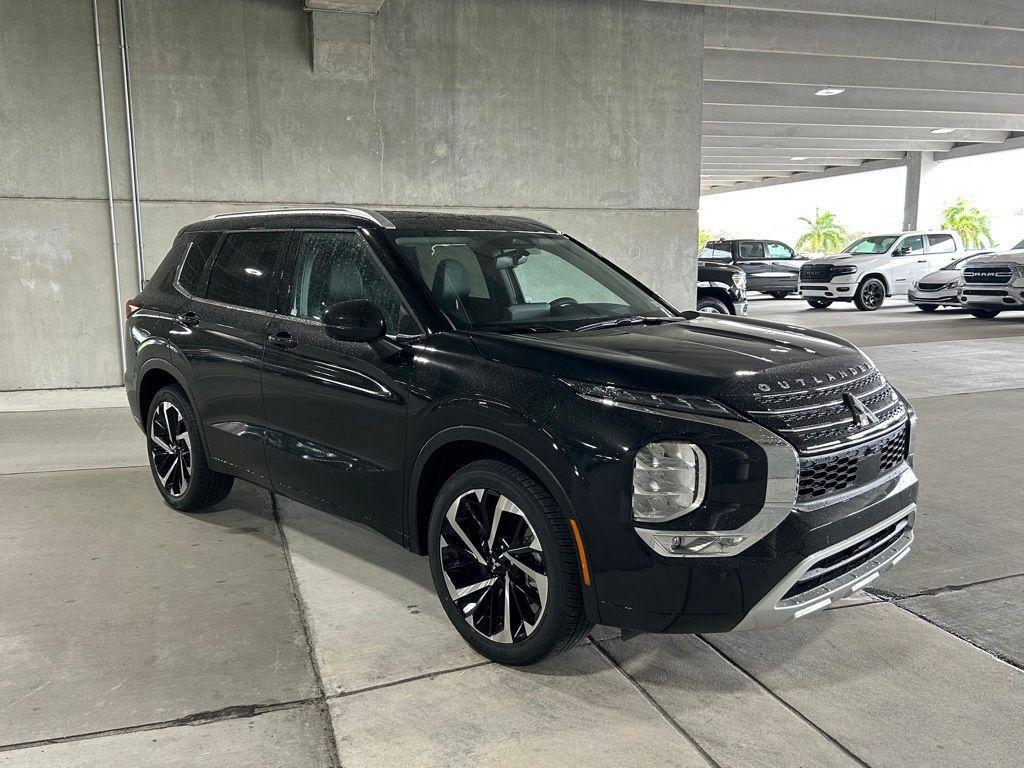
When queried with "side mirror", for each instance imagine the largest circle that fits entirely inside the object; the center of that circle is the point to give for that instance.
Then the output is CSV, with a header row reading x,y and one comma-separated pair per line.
x,y
358,320
903,250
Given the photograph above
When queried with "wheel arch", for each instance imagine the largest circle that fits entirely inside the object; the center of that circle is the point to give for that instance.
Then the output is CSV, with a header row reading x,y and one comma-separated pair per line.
x,y
717,291
881,276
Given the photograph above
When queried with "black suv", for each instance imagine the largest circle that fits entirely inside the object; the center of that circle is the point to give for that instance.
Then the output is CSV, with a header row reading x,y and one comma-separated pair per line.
x,y
771,267
563,445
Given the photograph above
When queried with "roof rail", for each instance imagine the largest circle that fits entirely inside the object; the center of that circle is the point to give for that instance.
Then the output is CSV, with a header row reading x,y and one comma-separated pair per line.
x,y
362,213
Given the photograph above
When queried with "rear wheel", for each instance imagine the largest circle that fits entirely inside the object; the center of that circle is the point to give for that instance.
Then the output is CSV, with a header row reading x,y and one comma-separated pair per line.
x,y
504,564
927,307
779,294
712,306
820,303
985,314
870,295
176,456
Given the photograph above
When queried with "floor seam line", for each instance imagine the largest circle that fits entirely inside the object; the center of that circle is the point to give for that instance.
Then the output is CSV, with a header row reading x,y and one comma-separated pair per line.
x,y
803,718
660,709
404,680
70,469
966,392
300,605
948,589
235,712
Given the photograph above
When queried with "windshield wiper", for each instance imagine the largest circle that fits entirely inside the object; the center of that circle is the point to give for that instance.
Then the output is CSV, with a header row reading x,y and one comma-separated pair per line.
x,y
522,329
633,320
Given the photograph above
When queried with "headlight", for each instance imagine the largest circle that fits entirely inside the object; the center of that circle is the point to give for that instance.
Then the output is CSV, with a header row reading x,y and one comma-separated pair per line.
x,y
953,284
739,279
650,401
849,269
669,479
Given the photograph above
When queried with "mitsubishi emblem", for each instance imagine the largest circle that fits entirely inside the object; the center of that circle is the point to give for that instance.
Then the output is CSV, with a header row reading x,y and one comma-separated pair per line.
x,y
862,416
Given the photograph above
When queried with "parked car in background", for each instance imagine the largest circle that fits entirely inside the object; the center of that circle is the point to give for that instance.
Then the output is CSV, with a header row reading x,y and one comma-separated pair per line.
x,y
771,267
993,283
871,268
721,289
939,289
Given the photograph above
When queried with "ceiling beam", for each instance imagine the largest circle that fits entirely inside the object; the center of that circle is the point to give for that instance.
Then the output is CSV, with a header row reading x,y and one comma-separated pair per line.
x,y
714,187
971,150
854,72
768,130
797,143
834,35
828,115
824,155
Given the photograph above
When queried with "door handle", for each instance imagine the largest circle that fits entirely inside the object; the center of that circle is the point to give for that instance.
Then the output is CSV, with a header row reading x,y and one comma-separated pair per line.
x,y
188,318
282,339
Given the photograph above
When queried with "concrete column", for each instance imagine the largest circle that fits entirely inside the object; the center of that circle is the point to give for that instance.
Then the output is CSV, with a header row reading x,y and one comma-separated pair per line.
x,y
919,208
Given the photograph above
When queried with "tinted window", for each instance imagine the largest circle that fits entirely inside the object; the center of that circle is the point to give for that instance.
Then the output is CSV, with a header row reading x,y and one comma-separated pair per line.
x,y
332,267
196,259
779,251
750,251
243,272
719,251
941,244
915,243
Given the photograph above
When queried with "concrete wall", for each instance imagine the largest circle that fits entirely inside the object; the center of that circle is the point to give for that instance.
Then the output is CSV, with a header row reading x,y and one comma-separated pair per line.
x,y
584,114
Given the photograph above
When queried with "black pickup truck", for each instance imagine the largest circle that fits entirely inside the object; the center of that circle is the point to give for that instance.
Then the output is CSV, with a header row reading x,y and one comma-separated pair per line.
x,y
771,267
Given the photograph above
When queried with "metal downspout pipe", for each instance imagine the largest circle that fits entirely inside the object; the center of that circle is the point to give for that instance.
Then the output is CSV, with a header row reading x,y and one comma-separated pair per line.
x,y
110,188
130,125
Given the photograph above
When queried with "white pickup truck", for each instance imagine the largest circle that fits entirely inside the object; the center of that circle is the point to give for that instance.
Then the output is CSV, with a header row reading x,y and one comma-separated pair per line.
x,y
873,267
993,283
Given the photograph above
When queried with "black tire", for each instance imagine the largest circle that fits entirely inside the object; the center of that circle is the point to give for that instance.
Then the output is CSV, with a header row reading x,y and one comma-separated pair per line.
x,y
779,294
712,306
199,487
561,621
928,307
870,295
819,303
984,314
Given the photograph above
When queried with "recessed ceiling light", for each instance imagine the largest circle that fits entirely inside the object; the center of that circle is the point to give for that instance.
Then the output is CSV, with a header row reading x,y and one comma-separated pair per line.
x,y
829,91
798,157
943,130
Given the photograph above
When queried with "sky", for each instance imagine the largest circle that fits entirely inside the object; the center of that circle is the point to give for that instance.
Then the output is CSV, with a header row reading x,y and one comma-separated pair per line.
x,y
873,202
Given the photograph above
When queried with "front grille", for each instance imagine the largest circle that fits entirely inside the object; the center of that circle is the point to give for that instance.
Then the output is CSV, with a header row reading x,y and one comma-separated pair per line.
x,y
836,565
930,286
822,419
825,476
994,274
815,273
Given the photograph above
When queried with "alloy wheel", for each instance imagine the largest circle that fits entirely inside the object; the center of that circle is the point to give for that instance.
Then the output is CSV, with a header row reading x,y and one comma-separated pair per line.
x,y
710,310
171,449
873,294
493,566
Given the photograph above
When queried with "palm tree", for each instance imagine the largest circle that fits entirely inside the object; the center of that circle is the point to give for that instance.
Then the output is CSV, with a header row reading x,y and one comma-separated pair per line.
x,y
825,233
971,224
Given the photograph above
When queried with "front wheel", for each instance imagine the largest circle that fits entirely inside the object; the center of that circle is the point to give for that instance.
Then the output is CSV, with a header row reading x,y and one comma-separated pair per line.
x,y
712,306
176,456
820,303
870,295
504,564
984,314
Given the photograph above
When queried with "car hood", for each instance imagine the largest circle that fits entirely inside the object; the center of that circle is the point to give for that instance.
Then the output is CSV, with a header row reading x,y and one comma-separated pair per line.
x,y
1006,257
702,354
941,276
846,258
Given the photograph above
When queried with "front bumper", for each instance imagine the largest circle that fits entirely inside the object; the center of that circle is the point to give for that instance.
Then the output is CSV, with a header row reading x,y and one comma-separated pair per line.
x,y
839,288
984,296
944,298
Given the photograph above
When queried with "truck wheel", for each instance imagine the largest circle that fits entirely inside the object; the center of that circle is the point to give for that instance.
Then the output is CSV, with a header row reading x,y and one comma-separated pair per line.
x,y
927,307
778,294
712,306
984,314
820,303
505,565
870,295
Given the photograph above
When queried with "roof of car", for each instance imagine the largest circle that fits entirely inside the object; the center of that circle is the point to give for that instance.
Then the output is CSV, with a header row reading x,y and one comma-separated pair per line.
x,y
350,216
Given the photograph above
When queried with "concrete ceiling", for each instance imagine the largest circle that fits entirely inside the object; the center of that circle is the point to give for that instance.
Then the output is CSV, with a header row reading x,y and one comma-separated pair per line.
x,y
907,67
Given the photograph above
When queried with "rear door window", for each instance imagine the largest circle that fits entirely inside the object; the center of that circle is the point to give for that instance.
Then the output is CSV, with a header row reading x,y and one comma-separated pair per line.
x,y
243,271
941,244
751,251
717,252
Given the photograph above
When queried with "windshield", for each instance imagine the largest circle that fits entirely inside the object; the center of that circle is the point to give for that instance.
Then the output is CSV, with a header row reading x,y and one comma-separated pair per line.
x,y
873,244
511,281
1018,246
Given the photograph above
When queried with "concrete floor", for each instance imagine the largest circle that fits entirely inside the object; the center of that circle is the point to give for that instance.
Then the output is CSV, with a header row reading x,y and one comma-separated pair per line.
x,y
266,633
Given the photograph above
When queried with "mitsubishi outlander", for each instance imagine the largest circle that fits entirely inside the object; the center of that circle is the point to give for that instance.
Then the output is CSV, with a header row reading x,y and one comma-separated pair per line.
x,y
564,446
